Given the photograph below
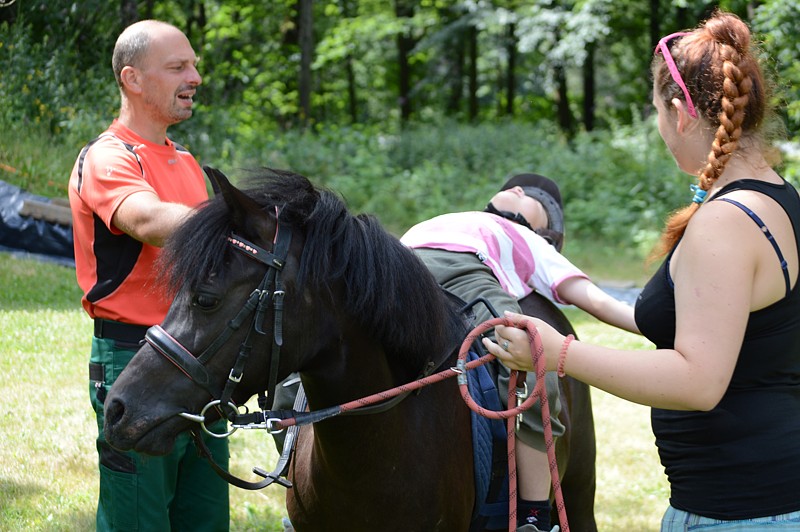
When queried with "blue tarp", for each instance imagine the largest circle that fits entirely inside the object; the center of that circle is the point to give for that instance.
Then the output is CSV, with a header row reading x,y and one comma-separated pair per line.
x,y
29,236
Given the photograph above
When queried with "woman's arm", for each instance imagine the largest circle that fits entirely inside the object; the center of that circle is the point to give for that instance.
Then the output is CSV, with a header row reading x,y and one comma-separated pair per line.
x,y
715,269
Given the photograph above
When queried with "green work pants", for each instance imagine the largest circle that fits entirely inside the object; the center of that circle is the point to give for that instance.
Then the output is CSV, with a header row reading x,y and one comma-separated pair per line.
x,y
176,492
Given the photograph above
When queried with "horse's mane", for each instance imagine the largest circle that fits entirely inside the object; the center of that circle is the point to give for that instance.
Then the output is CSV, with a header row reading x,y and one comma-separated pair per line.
x,y
385,288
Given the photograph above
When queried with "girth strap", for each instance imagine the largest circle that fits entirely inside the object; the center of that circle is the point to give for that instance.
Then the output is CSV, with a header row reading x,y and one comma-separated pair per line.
x,y
290,441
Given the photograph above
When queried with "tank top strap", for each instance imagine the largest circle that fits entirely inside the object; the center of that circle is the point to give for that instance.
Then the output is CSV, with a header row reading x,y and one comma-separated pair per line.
x,y
767,233
786,196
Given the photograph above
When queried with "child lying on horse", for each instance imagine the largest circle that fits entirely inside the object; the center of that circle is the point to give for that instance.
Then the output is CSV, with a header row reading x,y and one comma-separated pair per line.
x,y
502,254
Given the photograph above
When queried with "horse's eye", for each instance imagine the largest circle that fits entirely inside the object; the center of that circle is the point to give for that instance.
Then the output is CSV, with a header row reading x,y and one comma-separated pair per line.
x,y
205,301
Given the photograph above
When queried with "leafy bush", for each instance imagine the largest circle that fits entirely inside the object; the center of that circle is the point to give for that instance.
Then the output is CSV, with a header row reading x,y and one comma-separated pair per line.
x,y
777,24
42,85
617,185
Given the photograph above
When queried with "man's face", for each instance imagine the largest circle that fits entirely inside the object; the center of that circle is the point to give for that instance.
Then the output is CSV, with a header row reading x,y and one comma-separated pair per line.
x,y
169,77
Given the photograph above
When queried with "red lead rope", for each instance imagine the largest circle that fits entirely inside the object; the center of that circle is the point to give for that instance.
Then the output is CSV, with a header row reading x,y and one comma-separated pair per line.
x,y
537,350
509,415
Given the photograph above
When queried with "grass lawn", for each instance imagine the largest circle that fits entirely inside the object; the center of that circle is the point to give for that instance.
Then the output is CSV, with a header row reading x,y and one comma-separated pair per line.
x,y
48,478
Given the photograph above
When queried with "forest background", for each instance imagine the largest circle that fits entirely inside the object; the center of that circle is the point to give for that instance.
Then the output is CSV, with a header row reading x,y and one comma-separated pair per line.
x,y
407,108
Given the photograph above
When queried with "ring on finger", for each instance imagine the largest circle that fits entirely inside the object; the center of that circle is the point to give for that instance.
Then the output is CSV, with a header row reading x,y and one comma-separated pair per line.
x,y
505,345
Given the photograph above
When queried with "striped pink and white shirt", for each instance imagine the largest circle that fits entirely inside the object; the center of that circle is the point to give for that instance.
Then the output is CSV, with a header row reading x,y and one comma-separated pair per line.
x,y
521,260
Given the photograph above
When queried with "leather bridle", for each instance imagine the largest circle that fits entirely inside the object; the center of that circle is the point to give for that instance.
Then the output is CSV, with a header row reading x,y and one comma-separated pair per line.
x,y
268,295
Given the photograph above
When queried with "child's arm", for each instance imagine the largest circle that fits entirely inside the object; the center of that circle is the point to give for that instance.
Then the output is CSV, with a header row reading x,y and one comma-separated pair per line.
x,y
590,298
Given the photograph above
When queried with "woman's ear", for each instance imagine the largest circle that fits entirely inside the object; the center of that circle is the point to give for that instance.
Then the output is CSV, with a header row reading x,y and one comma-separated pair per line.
x,y
684,118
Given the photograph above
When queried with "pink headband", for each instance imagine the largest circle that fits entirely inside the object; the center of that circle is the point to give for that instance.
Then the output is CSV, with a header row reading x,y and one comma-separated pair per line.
x,y
673,69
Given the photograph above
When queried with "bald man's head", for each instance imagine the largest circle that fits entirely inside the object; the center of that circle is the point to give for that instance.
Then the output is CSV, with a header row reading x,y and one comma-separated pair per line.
x,y
133,43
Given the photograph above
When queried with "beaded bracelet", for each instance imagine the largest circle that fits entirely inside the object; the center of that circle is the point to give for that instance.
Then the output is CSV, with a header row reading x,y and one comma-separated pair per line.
x,y
562,356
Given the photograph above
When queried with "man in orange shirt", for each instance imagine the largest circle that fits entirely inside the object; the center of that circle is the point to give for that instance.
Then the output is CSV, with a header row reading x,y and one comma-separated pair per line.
x,y
129,190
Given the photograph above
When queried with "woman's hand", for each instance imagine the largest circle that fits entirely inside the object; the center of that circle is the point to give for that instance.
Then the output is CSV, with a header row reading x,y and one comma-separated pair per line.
x,y
513,347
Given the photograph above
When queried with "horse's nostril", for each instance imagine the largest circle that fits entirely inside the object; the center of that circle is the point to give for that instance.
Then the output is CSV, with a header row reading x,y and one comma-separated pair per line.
x,y
114,412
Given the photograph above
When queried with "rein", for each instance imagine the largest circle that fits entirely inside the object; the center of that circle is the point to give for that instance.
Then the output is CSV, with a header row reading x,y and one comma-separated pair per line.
x,y
510,415
274,422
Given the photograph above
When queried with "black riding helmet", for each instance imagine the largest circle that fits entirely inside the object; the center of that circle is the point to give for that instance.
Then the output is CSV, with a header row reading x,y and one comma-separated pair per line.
x,y
546,192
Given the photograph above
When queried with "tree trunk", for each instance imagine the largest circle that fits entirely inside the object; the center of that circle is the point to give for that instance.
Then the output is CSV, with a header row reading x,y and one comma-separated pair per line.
x,y
589,87
8,12
404,9
511,78
454,55
129,12
196,23
352,100
655,23
456,81
565,119
683,18
202,19
306,38
472,37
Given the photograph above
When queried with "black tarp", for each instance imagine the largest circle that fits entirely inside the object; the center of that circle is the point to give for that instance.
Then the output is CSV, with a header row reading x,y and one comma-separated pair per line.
x,y
28,235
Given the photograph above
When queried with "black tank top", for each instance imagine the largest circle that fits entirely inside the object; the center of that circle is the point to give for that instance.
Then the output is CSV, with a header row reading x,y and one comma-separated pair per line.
x,y
740,460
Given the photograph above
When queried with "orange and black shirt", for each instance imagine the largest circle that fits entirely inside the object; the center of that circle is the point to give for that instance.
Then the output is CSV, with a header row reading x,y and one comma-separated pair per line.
x,y
114,270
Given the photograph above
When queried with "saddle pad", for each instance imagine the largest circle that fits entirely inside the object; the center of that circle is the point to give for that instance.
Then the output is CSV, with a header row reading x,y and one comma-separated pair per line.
x,y
489,450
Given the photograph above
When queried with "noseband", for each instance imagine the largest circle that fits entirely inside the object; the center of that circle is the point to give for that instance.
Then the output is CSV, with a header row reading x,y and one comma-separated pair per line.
x,y
269,294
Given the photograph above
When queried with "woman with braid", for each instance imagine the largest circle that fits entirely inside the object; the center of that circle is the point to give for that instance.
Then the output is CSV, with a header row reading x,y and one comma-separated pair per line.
x,y
724,308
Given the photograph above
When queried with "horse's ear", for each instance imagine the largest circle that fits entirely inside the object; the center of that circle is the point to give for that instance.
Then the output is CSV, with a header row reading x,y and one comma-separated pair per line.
x,y
245,212
213,177
217,179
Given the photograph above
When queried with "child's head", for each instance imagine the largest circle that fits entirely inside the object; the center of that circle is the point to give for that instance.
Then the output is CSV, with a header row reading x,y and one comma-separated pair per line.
x,y
534,201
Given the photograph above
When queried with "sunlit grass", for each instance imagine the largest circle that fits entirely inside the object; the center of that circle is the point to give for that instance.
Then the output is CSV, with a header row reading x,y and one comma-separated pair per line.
x,y
48,470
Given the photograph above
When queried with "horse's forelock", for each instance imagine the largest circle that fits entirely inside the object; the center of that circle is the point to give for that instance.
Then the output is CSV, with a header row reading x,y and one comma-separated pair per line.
x,y
199,247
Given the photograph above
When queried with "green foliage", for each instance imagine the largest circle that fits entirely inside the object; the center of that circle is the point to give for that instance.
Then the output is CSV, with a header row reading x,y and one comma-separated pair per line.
x,y
22,163
619,181
55,58
777,22
53,74
618,185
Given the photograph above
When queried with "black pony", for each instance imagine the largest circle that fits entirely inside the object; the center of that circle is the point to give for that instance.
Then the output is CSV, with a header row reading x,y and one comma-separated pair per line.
x,y
343,303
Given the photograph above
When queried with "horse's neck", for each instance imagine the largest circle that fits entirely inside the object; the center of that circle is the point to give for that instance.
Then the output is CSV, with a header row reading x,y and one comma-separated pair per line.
x,y
339,441
350,371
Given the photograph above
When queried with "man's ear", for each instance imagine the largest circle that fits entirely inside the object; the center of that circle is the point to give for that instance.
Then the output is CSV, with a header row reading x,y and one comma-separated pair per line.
x,y
130,78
